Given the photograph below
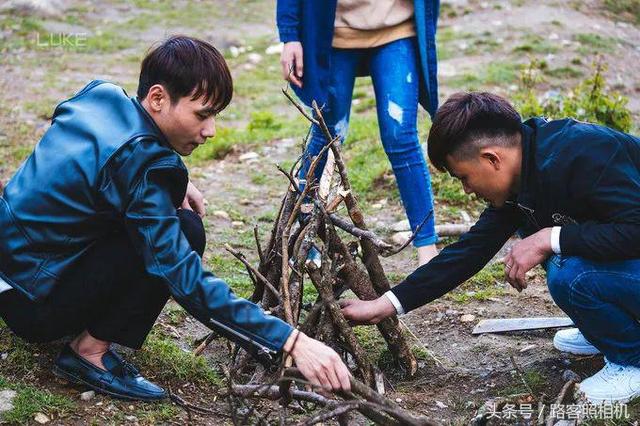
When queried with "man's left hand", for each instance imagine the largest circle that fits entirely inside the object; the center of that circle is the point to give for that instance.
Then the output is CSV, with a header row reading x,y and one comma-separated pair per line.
x,y
193,200
526,254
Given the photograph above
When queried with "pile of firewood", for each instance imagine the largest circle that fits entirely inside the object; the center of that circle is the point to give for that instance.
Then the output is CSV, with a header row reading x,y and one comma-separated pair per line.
x,y
309,219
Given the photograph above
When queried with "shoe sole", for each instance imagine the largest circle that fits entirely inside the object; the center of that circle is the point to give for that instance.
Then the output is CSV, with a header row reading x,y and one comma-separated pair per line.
x,y
603,400
575,349
77,380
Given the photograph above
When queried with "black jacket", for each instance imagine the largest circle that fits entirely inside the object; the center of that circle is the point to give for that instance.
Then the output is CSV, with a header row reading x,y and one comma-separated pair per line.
x,y
580,176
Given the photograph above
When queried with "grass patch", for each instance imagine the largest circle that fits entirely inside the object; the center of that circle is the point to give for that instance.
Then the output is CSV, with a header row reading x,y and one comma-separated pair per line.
x,y
156,413
486,284
533,43
31,400
371,341
161,356
595,42
233,273
564,72
174,313
108,41
263,126
494,74
626,8
535,379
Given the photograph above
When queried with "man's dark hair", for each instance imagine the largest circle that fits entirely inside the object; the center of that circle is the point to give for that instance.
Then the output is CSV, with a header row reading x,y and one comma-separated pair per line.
x,y
467,122
187,66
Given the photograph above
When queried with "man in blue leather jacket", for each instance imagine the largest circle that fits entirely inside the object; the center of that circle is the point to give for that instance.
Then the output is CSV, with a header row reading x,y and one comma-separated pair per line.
x,y
572,192
97,229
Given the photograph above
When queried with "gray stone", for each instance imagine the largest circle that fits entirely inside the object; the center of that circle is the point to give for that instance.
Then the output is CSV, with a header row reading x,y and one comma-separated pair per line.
x,y
6,400
570,375
87,396
403,225
400,238
41,418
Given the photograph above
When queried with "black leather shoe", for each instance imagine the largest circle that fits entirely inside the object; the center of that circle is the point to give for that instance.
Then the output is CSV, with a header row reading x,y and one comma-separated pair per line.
x,y
120,379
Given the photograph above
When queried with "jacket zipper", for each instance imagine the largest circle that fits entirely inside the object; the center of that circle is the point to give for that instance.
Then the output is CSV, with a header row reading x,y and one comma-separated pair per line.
x,y
263,352
530,214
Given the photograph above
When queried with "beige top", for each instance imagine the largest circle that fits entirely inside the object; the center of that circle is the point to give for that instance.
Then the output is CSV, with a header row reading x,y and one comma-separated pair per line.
x,y
371,23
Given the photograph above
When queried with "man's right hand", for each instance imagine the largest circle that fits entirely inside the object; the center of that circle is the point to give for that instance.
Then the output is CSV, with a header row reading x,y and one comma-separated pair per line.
x,y
367,312
291,61
317,362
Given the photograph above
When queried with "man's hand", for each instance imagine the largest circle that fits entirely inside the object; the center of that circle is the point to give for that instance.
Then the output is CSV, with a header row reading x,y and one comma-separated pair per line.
x,y
193,200
526,254
320,364
291,61
367,312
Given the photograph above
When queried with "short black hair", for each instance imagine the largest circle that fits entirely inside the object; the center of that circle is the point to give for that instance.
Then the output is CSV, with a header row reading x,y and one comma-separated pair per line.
x,y
187,66
468,117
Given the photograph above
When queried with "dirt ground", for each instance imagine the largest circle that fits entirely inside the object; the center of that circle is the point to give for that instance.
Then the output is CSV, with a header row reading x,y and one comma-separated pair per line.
x,y
241,192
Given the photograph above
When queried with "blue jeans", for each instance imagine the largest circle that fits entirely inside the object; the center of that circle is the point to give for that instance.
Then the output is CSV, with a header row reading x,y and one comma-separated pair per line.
x,y
603,300
395,73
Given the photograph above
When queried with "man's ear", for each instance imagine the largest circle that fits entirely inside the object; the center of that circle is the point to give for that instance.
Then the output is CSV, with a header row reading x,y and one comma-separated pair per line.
x,y
493,157
157,97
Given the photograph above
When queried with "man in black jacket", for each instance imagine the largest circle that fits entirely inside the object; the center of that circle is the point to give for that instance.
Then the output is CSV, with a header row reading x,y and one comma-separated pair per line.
x,y
572,192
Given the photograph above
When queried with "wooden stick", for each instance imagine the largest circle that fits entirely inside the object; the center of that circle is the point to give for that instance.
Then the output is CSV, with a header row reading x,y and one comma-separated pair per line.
x,y
253,270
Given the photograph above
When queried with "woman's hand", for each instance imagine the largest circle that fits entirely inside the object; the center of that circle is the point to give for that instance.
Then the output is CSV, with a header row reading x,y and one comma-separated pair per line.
x,y
291,61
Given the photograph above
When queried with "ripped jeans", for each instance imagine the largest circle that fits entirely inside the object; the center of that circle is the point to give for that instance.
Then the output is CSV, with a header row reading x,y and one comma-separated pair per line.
x,y
395,72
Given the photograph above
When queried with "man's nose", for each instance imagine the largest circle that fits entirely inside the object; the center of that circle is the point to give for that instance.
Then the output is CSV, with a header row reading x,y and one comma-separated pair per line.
x,y
209,130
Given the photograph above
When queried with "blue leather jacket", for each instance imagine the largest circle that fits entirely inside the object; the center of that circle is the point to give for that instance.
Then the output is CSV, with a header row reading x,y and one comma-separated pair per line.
x,y
104,166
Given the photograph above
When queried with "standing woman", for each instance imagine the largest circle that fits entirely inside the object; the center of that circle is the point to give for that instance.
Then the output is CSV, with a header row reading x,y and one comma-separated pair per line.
x,y
328,43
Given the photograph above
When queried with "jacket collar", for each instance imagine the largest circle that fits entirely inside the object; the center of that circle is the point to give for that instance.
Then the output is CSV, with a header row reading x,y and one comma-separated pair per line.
x,y
525,196
163,140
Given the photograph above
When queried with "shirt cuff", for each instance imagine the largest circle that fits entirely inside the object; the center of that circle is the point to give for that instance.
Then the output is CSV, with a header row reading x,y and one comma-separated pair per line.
x,y
395,302
555,239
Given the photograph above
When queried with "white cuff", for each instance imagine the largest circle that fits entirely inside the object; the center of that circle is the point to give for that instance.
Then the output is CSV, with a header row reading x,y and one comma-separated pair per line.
x,y
395,302
555,240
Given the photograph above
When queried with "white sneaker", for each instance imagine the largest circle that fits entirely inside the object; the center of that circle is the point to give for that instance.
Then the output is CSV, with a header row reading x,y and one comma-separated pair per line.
x,y
613,384
571,340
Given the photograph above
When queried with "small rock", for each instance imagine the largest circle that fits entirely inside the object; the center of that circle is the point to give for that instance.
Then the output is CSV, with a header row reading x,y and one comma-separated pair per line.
x,y
274,49
403,225
131,418
400,238
398,400
450,312
234,51
237,223
41,418
527,348
87,396
254,58
467,318
570,375
249,156
221,214
553,36
4,356
441,404
565,423
470,405
6,400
